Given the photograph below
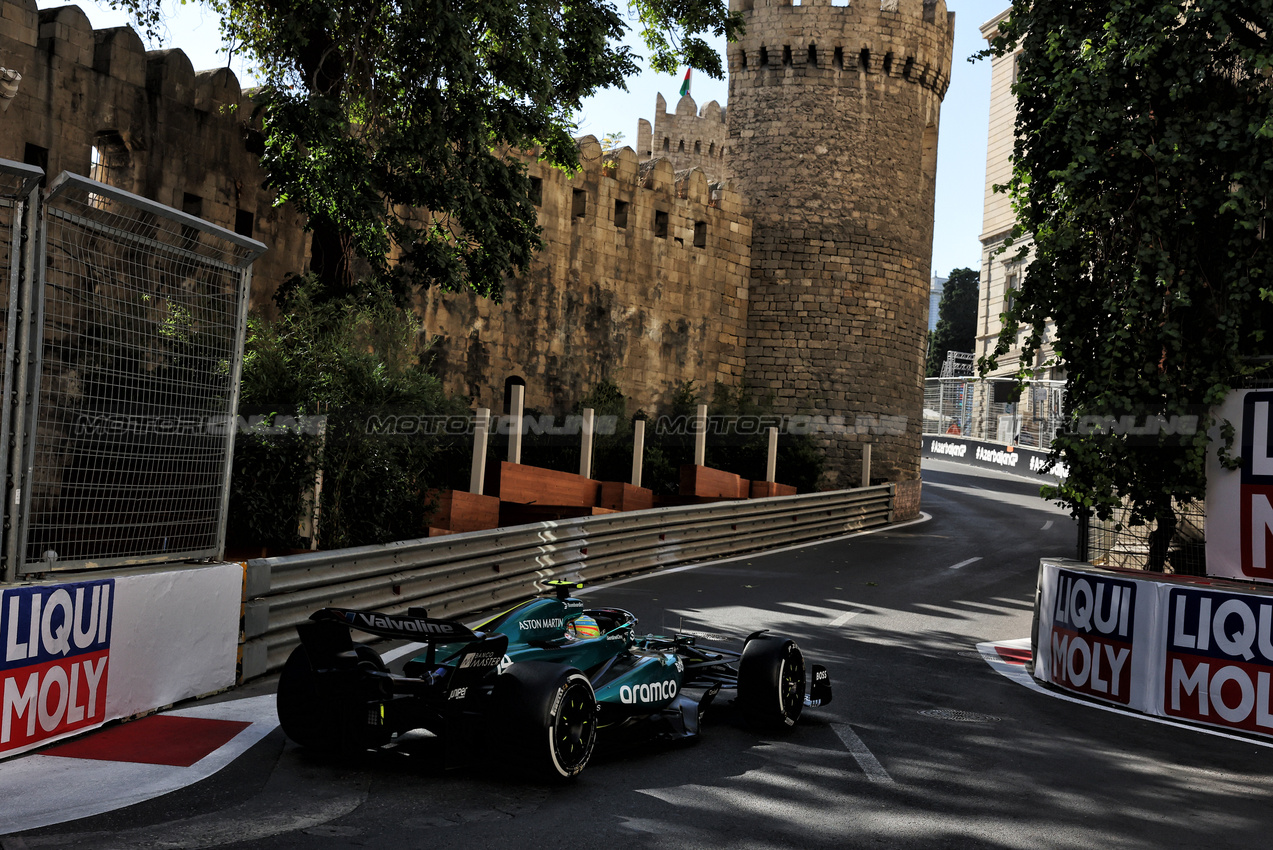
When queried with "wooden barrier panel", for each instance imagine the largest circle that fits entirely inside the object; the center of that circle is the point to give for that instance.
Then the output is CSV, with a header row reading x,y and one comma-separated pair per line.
x,y
531,485
711,483
619,496
459,510
764,489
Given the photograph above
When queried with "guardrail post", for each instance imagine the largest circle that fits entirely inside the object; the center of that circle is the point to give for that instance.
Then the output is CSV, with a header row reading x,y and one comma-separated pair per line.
x,y
771,468
585,450
866,464
481,431
700,436
515,407
638,451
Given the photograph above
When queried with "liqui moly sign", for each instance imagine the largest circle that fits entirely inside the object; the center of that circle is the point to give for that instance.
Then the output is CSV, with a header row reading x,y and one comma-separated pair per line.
x,y
1093,622
56,654
1256,506
1219,658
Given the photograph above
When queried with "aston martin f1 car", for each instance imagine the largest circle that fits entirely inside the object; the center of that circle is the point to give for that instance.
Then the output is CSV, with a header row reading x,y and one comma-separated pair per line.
x,y
537,682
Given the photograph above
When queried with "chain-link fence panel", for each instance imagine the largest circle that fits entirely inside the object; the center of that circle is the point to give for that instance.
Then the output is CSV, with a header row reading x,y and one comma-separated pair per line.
x,y
1116,543
990,410
141,315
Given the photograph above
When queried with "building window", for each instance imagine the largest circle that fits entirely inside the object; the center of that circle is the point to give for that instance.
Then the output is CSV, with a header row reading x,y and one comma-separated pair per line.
x,y
837,59
667,143
864,59
786,56
660,224
698,147
764,57
743,57
536,190
813,55
700,234
620,213
578,203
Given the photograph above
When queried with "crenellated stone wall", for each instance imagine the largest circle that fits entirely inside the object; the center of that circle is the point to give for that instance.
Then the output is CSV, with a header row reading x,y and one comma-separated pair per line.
x,y
690,138
643,280
164,131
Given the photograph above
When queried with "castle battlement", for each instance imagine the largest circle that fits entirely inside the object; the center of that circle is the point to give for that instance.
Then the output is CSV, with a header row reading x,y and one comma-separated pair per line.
x,y
689,137
818,43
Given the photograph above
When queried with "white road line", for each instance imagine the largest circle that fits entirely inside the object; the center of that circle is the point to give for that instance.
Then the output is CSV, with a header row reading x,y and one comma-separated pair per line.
x,y
844,618
864,757
1046,525
965,563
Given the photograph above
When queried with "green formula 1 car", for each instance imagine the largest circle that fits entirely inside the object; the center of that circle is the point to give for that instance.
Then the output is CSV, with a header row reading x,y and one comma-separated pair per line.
x,y
536,683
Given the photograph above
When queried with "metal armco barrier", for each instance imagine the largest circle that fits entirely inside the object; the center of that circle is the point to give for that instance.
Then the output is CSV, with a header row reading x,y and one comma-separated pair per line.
x,y
463,574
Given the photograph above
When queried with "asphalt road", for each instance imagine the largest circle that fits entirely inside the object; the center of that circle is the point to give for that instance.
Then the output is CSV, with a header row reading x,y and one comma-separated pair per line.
x,y
896,616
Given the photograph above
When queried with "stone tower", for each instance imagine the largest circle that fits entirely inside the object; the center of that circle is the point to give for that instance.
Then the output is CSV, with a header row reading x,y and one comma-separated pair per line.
x,y
833,114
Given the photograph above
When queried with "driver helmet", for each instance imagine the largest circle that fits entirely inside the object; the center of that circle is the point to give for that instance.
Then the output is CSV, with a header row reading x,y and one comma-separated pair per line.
x,y
583,627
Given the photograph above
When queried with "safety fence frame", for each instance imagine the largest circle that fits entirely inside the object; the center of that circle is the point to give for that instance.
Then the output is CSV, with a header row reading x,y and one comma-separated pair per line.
x,y
123,352
463,574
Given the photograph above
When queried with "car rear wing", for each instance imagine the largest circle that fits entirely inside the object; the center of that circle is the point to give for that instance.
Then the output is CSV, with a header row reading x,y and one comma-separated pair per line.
x,y
412,626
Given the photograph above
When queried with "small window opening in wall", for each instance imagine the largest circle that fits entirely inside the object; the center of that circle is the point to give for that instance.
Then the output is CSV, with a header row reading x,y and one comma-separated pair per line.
x,y
108,162
667,143
764,57
864,59
888,63
838,59
536,190
244,221
698,147
37,156
813,55
711,149
509,383
660,224
743,57
192,204
578,203
700,234
908,67
620,213
786,56
681,147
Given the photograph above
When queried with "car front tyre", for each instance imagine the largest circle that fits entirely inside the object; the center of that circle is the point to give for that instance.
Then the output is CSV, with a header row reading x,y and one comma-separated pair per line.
x,y
771,683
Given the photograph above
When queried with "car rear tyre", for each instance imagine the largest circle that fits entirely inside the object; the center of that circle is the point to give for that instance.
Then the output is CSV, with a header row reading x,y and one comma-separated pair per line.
x,y
771,683
320,717
549,714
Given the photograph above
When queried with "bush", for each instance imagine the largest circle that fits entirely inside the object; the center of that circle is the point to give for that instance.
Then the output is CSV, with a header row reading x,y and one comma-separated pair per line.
x,y
355,361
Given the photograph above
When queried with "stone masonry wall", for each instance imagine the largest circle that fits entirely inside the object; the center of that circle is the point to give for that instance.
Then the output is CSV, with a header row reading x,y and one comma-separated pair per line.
x,y
602,300
833,115
690,138
166,132
643,280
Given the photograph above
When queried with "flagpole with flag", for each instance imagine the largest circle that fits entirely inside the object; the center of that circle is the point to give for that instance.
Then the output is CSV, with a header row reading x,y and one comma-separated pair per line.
x,y
685,84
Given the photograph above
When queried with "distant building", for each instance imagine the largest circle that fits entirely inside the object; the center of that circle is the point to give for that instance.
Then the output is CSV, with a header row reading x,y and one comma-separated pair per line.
x,y
935,290
1001,272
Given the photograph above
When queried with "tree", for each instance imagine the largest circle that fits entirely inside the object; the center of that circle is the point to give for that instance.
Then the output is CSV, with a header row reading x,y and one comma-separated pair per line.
x,y
394,126
956,318
1143,166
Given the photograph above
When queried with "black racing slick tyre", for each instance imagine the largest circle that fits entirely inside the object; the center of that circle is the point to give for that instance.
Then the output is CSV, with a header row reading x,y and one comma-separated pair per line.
x,y
318,716
548,715
771,682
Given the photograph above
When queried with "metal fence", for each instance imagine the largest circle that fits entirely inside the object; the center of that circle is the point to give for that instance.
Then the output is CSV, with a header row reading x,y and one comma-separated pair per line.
x,y
464,574
136,328
987,409
1115,543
